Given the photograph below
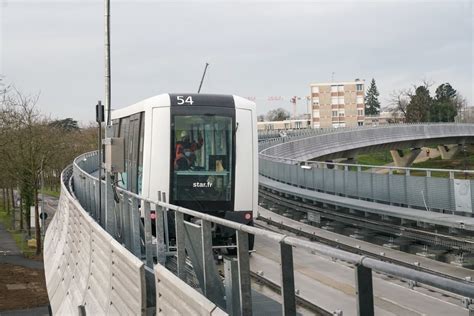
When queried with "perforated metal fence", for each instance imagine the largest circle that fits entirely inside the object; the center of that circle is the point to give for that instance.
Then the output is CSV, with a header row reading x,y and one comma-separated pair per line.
x,y
396,186
89,267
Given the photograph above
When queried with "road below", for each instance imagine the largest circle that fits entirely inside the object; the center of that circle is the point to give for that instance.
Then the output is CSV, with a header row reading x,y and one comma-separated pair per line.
x,y
330,285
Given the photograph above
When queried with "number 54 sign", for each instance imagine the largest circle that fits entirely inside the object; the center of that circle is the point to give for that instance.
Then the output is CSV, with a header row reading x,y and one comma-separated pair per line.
x,y
184,100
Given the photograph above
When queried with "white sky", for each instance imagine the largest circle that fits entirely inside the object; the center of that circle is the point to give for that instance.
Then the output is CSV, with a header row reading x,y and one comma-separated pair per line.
x,y
257,49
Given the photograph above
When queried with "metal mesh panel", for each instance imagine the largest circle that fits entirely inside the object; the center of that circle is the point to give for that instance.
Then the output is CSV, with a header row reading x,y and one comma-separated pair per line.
x,y
380,187
339,181
294,174
397,189
328,180
351,183
472,192
365,185
318,175
308,178
437,193
415,190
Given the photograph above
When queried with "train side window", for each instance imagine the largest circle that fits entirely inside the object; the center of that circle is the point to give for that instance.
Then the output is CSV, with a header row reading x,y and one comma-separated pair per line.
x,y
133,147
124,131
115,126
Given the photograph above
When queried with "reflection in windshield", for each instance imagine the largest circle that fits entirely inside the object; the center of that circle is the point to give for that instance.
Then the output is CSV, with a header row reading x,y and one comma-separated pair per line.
x,y
202,160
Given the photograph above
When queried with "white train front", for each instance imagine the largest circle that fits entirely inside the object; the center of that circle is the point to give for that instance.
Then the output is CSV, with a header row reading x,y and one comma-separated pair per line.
x,y
200,149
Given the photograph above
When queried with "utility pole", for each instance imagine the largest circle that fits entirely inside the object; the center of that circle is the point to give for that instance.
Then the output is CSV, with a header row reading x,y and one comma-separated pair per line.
x,y
109,202
202,79
107,60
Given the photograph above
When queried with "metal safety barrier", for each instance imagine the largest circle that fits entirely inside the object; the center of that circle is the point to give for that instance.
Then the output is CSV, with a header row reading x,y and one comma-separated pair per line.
x,y
193,241
86,268
412,187
170,289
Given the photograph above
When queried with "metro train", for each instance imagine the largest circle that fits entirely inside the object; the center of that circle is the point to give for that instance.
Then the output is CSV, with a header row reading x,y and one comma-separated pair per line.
x,y
199,149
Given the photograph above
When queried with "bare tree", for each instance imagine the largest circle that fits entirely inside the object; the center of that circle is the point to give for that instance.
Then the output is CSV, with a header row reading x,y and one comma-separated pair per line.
x,y
398,103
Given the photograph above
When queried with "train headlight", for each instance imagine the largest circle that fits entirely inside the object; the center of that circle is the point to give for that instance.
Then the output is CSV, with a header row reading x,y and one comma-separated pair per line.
x,y
248,216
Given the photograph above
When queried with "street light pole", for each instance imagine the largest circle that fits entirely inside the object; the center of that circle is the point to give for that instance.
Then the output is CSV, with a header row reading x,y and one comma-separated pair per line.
x,y
109,201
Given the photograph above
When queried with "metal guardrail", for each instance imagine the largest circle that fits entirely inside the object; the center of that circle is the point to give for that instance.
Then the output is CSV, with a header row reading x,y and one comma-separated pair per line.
x,y
264,135
202,225
349,141
86,268
353,180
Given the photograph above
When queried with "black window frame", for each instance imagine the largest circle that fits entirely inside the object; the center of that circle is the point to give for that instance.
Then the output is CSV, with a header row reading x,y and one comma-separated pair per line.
x,y
202,205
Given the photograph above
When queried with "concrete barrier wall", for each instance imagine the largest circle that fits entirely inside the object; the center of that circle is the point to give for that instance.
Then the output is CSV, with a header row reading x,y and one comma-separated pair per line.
x,y
85,266
175,297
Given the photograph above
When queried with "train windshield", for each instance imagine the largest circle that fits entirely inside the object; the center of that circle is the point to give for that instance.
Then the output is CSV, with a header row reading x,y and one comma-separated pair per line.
x,y
202,160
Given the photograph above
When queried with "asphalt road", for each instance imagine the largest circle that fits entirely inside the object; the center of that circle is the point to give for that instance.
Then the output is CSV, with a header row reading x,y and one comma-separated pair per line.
x,y
330,285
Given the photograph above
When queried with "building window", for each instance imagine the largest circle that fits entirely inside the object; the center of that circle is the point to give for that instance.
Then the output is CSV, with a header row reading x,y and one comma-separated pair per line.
x,y
360,99
333,88
315,89
298,124
360,112
360,123
316,101
340,88
334,100
316,113
341,114
341,100
334,113
359,87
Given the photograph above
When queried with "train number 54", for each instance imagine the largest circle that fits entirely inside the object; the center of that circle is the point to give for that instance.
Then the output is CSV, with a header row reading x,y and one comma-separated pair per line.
x,y
184,100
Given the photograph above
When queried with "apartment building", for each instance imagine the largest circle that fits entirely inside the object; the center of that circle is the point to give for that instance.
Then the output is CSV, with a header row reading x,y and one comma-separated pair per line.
x,y
338,104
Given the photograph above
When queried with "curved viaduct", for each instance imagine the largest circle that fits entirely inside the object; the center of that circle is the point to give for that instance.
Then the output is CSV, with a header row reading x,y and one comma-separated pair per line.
x,y
295,165
349,142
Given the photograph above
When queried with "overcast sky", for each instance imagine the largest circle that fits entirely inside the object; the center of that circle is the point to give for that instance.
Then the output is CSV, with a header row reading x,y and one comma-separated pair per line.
x,y
255,49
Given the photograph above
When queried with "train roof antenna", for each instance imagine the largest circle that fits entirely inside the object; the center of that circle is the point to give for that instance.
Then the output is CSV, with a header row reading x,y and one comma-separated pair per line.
x,y
202,79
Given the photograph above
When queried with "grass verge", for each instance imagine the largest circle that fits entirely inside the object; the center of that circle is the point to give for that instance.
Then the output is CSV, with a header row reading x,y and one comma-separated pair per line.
x,y
17,235
50,192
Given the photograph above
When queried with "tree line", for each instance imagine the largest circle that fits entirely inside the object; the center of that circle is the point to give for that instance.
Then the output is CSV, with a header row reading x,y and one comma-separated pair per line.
x,y
34,146
417,105
412,105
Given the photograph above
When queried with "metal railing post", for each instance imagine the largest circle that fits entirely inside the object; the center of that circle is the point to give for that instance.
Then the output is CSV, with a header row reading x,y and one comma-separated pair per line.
x,y
244,273
148,234
206,254
165,223
287,280
180,245
125,221
364,291
160,243
231,281
135,228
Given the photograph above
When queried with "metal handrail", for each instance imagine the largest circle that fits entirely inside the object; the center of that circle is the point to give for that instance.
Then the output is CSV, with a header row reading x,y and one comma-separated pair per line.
x,y
316,132
326,163
464,288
